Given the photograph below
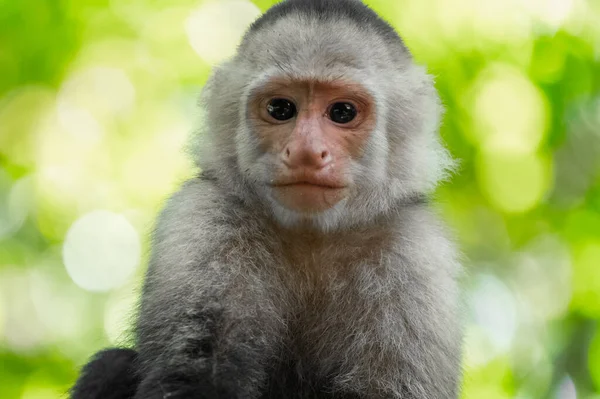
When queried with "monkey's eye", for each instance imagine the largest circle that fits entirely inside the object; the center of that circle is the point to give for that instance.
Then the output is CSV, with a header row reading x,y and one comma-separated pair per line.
x,y
281,109
342,112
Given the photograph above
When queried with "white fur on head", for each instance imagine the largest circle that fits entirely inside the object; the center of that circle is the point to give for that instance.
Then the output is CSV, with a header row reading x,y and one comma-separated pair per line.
x,y
403,158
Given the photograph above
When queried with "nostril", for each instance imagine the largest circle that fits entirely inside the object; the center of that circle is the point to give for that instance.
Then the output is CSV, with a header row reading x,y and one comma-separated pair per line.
x,y
324,154
287,152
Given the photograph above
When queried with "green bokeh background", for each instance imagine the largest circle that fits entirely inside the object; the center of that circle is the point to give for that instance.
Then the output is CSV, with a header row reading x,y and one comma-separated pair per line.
x,y
97,98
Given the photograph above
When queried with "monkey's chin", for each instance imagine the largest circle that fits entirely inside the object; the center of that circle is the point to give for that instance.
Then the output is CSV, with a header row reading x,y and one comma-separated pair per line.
x,y
308,198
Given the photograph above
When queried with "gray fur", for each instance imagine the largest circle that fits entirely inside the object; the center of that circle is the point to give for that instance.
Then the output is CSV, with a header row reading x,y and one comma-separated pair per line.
x,y
359,301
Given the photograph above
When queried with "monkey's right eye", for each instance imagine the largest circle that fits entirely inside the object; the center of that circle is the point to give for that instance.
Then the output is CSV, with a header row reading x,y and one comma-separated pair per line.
x,y
281,109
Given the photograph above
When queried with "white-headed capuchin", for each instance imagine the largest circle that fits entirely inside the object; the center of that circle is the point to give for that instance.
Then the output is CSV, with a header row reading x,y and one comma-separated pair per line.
x,y
304,260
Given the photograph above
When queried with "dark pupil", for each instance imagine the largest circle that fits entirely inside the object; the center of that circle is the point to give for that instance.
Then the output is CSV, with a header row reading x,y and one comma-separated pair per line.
x,y
342,112
281,109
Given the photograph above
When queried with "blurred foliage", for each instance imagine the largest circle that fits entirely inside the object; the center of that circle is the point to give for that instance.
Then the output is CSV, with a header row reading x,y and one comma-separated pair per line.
x,y
97,98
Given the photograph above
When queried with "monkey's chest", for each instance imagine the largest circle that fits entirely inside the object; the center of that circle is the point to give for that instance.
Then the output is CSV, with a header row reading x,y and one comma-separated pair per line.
x,y
313,353
327,320
306,363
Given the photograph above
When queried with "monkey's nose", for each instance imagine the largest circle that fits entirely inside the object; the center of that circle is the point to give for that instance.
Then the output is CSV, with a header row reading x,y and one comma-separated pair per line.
x,y
311,156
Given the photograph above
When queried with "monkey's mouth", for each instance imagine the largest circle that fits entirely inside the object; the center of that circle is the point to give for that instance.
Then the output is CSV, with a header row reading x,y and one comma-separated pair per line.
x,y
308,196
308,180
308,184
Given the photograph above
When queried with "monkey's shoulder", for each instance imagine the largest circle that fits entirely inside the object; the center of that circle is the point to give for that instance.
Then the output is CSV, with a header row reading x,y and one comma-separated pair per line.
x,y
197,194
424,241
200,210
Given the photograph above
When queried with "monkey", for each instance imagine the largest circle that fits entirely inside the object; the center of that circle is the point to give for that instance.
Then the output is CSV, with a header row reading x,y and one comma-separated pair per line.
x,y
304,259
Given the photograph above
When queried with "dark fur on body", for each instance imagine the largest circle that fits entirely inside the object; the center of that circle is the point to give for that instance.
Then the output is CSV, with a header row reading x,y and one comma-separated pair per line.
x,y
244,299
111,374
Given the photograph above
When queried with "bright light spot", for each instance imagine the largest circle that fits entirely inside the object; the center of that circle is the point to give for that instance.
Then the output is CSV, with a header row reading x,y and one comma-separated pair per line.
x,y
552,12
20,200
478,349
510,113
65,167
133,166
452,18
101,251
501,21
566,389
586,279
214,29
79,122
15,207
144,179
103,88
464,24
54,305
98,93
495,312
412,16
118,316
40,392
513,182
543,279
2,316
582,16
21,334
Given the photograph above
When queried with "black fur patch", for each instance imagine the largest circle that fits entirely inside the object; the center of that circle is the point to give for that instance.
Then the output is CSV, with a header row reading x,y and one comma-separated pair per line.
x,y
110,374
179,386
353,10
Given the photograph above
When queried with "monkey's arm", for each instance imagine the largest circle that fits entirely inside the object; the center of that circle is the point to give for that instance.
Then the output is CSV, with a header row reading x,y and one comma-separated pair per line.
x,y
208,325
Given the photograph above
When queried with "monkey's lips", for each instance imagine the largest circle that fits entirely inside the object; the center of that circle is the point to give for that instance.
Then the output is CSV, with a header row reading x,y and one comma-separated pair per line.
x,y
309,196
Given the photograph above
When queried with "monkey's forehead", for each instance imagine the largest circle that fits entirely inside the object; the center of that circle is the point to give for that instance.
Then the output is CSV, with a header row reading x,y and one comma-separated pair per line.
x,y
317,33
331,10
298,44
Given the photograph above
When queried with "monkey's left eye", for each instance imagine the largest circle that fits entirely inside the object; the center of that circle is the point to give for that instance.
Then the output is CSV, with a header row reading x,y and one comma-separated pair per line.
x,y
342,112
281,109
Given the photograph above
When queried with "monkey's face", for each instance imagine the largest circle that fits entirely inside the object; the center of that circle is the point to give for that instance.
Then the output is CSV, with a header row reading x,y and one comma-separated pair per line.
x,y
310,132
325,122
